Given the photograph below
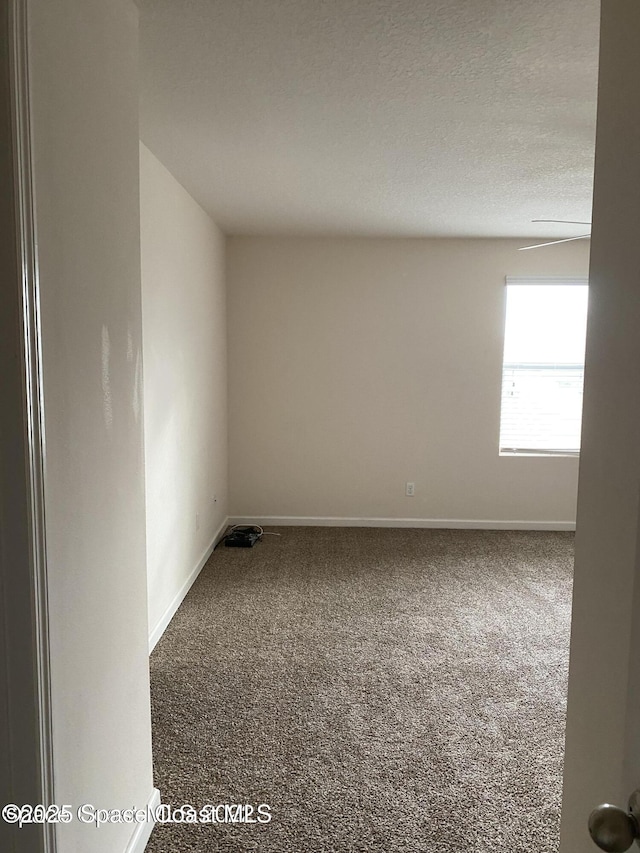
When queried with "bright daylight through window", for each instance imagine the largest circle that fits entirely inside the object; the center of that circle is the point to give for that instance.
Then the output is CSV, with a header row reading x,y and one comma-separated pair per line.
x,y
543,366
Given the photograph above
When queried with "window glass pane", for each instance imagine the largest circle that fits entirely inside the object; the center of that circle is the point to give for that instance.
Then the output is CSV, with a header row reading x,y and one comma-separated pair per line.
x,y
543,368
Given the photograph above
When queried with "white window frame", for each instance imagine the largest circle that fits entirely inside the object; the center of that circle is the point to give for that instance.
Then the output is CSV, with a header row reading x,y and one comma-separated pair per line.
x,y
536,281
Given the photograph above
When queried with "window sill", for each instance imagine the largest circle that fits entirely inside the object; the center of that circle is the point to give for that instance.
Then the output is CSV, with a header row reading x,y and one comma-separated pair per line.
x,y
537,453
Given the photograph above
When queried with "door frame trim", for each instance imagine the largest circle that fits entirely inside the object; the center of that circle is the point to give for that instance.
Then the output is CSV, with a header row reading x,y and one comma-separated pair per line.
x,y
28,296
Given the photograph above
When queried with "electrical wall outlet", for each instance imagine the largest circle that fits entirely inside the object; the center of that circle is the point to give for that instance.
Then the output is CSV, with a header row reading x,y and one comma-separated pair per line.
x,y
410,490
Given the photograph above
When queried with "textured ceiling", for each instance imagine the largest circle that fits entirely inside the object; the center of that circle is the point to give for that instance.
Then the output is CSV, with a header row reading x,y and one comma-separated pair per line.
x,y
375,117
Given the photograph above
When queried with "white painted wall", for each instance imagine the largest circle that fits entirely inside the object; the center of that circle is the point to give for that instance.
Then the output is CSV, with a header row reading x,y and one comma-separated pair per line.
x,y
85,135
185,385
358,364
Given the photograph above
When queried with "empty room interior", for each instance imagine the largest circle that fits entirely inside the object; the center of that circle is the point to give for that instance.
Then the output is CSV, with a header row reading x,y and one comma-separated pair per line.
x,y
333,201
357,343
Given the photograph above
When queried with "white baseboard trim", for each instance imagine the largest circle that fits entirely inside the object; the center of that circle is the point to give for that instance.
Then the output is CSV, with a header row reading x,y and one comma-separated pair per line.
x,y
454,523
177,600
141,833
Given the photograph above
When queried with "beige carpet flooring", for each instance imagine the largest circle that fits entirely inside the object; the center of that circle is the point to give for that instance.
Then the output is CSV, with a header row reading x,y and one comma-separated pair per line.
x,y
380,689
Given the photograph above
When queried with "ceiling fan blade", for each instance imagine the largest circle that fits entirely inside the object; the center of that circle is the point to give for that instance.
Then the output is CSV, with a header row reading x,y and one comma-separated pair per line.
x,y
554,242
562,221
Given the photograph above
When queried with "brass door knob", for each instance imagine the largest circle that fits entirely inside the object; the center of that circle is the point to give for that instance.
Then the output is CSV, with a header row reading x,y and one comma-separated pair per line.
x,y
614,829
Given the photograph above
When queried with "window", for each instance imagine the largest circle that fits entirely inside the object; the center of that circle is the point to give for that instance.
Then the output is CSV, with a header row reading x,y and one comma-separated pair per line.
x,y
543,366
